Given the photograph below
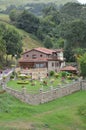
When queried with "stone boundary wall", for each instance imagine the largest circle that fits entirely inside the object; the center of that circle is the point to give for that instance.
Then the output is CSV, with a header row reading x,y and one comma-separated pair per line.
x,y
2,81
43,97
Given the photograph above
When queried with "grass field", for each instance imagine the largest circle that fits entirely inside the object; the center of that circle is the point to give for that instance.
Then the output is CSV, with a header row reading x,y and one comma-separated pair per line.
x,y
67,113
4,17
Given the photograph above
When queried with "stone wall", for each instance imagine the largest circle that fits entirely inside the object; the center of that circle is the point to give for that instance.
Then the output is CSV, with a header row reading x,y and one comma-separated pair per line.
x,y
7,78
83,85
43,97
36,73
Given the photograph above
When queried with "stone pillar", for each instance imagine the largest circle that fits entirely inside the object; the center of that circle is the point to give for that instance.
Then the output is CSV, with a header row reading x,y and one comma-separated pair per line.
x,y
41,95
24,93
51,89
3,85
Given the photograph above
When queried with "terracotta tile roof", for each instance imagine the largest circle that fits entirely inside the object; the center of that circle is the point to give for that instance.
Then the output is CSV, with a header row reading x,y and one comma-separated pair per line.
x,y
44,50
69,68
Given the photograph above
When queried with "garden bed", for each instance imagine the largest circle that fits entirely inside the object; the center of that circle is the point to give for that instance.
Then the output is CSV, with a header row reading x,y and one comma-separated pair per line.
x,y
34,86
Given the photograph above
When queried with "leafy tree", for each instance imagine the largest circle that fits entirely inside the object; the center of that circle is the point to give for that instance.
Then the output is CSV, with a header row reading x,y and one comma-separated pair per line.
x,y
14,15
83,13
45,28
79,52
75,34
72,9
13,42
59,43
69,55
48,42
2,48
49,10
82,61
28,21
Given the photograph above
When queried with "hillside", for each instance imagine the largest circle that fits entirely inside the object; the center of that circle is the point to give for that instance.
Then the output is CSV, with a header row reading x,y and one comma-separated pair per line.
x,y
29,41
5,3
67,113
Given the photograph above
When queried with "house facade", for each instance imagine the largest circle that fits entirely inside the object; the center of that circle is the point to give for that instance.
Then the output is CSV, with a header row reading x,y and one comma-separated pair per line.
x,y
42,58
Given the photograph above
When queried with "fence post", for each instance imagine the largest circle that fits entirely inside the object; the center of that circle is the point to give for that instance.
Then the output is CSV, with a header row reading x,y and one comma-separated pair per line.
x,y
41,95
51,89
24,93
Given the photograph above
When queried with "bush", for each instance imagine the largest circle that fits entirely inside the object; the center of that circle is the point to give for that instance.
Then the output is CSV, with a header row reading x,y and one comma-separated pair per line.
x,y
24,77
22,82
63,74
51,73
12,77
56,75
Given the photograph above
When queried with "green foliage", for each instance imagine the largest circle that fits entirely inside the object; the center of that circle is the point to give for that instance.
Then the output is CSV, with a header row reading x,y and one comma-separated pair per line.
x,y
82,62
13,42
72,9
24,76
22,82
63,74
51,73
56,75
28,21
75,33
65,27
12,77
14,15
48,42
69,54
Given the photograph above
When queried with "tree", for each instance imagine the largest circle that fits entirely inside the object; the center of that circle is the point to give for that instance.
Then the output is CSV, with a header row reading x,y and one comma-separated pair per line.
x,y
75,33
28,21
72,9
14,15
82,62
48,42
49,10
69,55
12,42
2,49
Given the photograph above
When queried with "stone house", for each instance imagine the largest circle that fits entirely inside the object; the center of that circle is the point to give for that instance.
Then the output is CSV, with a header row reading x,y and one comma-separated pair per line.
x,y
51,59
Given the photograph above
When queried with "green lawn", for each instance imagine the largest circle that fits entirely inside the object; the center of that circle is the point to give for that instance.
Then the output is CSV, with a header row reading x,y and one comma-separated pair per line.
x,y
36,85
67,113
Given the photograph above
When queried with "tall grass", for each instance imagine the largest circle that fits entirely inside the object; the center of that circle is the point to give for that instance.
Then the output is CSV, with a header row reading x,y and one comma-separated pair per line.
x,y
61,114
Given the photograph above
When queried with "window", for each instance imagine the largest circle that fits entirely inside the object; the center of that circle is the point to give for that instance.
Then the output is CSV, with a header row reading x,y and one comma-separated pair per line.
x,y
57,64
34,56
52,64
40,55
27,55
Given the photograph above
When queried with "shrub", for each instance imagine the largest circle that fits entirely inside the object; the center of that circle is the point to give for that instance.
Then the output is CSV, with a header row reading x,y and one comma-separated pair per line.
x,y
4,77
44,82
51,73
24,77
63,74
56,75
22,82
12,77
